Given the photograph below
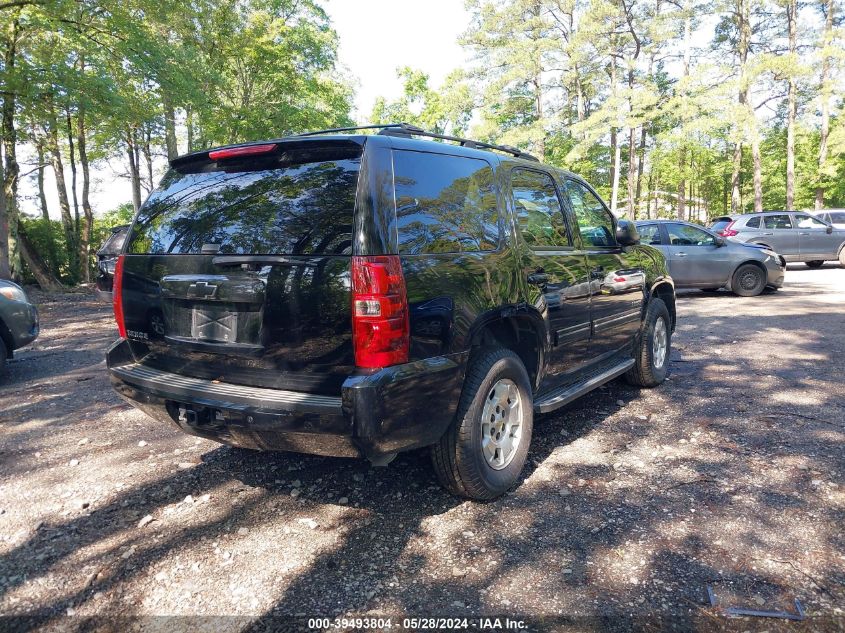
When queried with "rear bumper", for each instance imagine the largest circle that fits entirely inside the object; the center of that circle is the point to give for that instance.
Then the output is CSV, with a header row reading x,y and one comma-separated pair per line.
x,y
375,415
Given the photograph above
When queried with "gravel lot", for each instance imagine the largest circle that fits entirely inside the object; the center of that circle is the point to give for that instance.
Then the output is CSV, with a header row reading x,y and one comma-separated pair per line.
x,y
731,474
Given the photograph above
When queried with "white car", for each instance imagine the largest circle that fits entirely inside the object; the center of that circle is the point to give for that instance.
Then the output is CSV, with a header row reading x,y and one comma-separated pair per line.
x,y
836,217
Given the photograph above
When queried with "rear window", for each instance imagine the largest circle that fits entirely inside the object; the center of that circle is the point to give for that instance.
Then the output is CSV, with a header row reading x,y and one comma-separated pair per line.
x,y
753,223
837,218
720,224
296,203
444,204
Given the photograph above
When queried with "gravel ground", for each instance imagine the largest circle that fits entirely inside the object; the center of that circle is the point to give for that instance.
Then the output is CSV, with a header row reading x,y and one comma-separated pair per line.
x,y
731,474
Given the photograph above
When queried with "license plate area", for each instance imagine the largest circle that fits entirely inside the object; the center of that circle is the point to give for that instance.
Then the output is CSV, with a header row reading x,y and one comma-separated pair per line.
x,y
214,324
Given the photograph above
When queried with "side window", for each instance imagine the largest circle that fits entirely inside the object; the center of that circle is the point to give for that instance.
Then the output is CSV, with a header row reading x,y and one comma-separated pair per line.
x,y
649,234
777,222
594,221
753,223
837,218
685,235
444,204
805,221
539,215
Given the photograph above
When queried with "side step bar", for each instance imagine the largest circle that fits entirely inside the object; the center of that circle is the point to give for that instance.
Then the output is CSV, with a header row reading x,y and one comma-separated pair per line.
x,y
567,394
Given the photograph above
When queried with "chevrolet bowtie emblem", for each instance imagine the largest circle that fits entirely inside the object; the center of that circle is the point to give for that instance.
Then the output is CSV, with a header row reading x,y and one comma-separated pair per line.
x,y
202,290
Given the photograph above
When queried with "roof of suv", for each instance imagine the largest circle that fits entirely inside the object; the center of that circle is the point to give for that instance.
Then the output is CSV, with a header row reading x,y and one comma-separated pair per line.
x,y
394,135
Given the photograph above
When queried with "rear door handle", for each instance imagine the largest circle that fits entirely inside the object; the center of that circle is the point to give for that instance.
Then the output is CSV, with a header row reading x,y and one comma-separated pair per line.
x,y
768,233
538,279
680,254
803,234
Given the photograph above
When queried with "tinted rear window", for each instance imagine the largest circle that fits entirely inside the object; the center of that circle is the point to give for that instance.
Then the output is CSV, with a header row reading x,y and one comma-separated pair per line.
x,y
444,204
294,204
838,218
721,223
753,223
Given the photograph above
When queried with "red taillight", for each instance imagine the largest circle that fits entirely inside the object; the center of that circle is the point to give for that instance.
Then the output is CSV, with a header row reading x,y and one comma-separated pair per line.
x,y
117,296
235,152
728,231
380,325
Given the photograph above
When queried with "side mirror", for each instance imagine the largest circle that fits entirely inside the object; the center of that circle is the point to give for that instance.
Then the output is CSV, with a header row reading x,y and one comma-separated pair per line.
x,y
626,233
719,240
829,230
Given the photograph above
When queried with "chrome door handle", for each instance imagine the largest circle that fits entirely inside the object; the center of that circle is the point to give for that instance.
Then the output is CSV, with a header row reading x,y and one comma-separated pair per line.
x,y
680,254
803,234
768,233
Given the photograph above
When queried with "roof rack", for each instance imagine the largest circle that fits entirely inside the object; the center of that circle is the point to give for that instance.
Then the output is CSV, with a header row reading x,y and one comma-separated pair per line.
x,y
407,130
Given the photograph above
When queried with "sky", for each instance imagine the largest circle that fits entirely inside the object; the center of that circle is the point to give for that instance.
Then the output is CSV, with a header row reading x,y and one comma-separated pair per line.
x,y
375,38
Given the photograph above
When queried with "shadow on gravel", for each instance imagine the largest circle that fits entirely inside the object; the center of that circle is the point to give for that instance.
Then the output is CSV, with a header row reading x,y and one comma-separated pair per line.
x,y
599,523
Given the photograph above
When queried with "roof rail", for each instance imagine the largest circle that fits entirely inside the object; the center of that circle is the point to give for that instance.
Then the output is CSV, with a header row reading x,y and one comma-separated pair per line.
x,y
408,130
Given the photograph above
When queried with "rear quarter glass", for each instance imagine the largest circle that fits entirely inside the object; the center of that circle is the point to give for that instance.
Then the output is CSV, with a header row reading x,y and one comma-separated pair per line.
x,y
718,225
298,203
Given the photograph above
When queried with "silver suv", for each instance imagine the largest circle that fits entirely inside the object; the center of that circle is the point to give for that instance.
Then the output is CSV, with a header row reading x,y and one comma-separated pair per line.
x,y
798,236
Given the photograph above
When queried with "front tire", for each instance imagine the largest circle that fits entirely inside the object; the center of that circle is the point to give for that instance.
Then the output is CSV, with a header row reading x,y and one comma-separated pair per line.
x,y
482,453
652,347
748,281
816,263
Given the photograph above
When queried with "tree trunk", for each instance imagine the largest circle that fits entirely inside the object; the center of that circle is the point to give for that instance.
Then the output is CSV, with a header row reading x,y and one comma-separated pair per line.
x,y
758,172
42,196
72,155
10,168
615,148
827,7
736,194
42,273
88,214
791,18
133,154
632,172
148,158
682,185
743,14
61,189
189,123
169,126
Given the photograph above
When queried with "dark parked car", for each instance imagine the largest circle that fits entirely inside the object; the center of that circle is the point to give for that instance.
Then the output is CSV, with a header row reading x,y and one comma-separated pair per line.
x,y
106,260
18,320
798,236
361,295
698,258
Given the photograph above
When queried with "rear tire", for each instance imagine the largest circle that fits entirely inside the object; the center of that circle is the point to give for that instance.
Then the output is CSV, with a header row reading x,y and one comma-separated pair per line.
x,y
477,457
748,281
652,347
816,263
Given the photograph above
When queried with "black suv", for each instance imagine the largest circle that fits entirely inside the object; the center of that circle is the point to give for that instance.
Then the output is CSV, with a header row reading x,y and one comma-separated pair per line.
x,y
365,294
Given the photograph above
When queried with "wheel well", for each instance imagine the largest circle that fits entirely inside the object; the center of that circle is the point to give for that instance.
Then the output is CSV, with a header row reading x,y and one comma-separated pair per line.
x,y
517,334
753,262
666,293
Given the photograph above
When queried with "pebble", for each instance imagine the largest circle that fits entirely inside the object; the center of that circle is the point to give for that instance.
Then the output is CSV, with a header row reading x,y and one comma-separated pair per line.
x,y
185,465
128,553
142,443
295,493
567,571
145,521
243,531
565,492
83,441
161,576
343,501
621,403
189,499
84,504
74,462
311,523
205,498
467,534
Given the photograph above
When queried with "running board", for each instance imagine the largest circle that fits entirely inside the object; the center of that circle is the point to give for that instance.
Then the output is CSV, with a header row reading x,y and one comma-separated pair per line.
x,y
567,394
